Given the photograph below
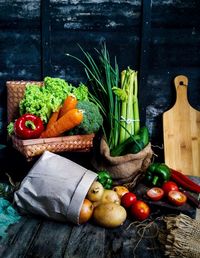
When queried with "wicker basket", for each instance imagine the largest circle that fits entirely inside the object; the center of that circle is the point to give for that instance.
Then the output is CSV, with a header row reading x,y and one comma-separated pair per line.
x,y
35,147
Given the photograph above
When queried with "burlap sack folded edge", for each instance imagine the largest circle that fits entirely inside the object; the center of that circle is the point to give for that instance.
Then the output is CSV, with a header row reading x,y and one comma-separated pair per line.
x,y
123,169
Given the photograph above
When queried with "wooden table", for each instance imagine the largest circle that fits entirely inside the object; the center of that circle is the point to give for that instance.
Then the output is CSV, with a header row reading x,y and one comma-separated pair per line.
x,y
33,237
37,237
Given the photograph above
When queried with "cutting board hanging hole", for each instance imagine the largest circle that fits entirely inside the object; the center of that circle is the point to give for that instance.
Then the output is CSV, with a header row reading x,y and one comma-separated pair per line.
x,y
181,80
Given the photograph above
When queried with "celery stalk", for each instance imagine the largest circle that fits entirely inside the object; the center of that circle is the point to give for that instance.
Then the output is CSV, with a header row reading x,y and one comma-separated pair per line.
x,y
135,107
130,113
122,132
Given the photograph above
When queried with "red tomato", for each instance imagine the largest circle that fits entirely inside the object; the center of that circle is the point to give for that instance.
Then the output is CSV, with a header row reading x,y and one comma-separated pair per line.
x,y
140,210
169,186
155,193
128,199
177,198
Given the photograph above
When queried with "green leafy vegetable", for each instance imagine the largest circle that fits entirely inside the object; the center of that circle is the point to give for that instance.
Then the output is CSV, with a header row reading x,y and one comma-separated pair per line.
x,y
57,87
10,128
81,92
102,78
42,101
116,97
130,122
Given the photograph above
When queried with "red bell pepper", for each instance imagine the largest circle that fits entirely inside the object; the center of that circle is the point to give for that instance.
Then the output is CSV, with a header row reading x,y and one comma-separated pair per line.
x,y
28,126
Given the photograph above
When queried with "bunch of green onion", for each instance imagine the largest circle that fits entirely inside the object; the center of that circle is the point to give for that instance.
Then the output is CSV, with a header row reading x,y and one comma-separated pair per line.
x,y
115,95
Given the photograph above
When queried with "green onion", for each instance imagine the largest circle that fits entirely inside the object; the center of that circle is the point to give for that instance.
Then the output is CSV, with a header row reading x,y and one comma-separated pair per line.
x,y
116,97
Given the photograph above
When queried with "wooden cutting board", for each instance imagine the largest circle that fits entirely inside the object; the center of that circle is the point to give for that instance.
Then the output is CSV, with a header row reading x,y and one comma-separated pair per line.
x,y
181,129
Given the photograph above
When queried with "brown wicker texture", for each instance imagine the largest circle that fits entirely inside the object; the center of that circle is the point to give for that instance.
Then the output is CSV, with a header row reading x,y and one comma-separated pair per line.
x,y
35,147
31,148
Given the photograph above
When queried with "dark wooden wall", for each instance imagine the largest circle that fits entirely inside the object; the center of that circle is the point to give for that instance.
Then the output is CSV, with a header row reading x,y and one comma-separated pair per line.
x,y
160,39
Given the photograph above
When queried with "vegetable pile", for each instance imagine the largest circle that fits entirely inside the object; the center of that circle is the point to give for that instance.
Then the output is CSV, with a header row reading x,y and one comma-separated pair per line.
x,y
54,109
109,206
171,186
116,95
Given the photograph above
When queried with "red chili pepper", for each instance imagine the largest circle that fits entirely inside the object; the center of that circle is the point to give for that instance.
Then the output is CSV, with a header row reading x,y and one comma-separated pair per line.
x,y
186,178
184,181
28,126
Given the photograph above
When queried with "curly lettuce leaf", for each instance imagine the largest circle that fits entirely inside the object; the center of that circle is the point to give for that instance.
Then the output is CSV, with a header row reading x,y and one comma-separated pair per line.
x,y
42,101
81,92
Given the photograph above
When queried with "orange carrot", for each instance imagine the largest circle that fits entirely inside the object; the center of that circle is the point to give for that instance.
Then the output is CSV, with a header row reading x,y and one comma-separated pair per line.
x,y
67,122
69,103
53,118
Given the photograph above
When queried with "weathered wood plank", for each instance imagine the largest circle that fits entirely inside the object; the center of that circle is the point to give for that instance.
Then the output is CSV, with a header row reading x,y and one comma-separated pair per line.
x,y
86,241
18,9
118,44
133,240
51,240
144,56
19,238
45,39
95,15
175,14
37,237
15,54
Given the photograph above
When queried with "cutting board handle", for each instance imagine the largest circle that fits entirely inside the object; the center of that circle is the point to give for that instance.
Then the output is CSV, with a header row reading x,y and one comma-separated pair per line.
x,y
181,80
181,84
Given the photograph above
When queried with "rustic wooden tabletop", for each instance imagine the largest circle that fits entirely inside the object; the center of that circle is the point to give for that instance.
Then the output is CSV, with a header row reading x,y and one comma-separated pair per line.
x,y
38,237
33,237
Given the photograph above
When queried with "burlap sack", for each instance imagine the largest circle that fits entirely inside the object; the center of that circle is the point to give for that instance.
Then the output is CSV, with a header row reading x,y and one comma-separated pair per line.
x,y
180,238
123,169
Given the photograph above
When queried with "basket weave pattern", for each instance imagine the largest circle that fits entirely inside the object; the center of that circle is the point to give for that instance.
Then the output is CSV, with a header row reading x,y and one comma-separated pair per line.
x,y
34,147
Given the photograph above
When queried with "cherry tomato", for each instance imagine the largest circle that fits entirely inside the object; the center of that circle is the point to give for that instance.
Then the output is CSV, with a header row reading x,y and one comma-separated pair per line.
x,y
128,199
86,211
155,193
140,210
169,186
177,198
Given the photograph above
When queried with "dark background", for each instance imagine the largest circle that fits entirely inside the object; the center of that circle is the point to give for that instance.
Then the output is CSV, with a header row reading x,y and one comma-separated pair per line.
x,y
160,39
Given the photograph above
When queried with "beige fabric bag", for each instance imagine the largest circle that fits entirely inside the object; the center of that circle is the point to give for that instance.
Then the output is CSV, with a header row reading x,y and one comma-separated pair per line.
x,y
123,169
181,237
55,188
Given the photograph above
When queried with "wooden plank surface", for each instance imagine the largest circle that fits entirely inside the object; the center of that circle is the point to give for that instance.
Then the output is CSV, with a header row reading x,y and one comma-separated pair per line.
x,y
42,238
181,127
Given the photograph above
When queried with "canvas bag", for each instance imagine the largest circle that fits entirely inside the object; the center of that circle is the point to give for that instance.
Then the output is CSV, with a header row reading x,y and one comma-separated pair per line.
x,y
55,188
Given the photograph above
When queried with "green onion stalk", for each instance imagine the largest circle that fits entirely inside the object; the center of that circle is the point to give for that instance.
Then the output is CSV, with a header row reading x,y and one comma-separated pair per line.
x,y
116,99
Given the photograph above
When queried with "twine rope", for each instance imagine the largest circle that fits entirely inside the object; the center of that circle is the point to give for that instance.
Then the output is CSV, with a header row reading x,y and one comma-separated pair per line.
x,y
128,121
182,238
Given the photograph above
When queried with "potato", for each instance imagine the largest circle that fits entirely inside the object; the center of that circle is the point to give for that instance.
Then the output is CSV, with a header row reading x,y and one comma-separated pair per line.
x,y
110,196
95,192
109,215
